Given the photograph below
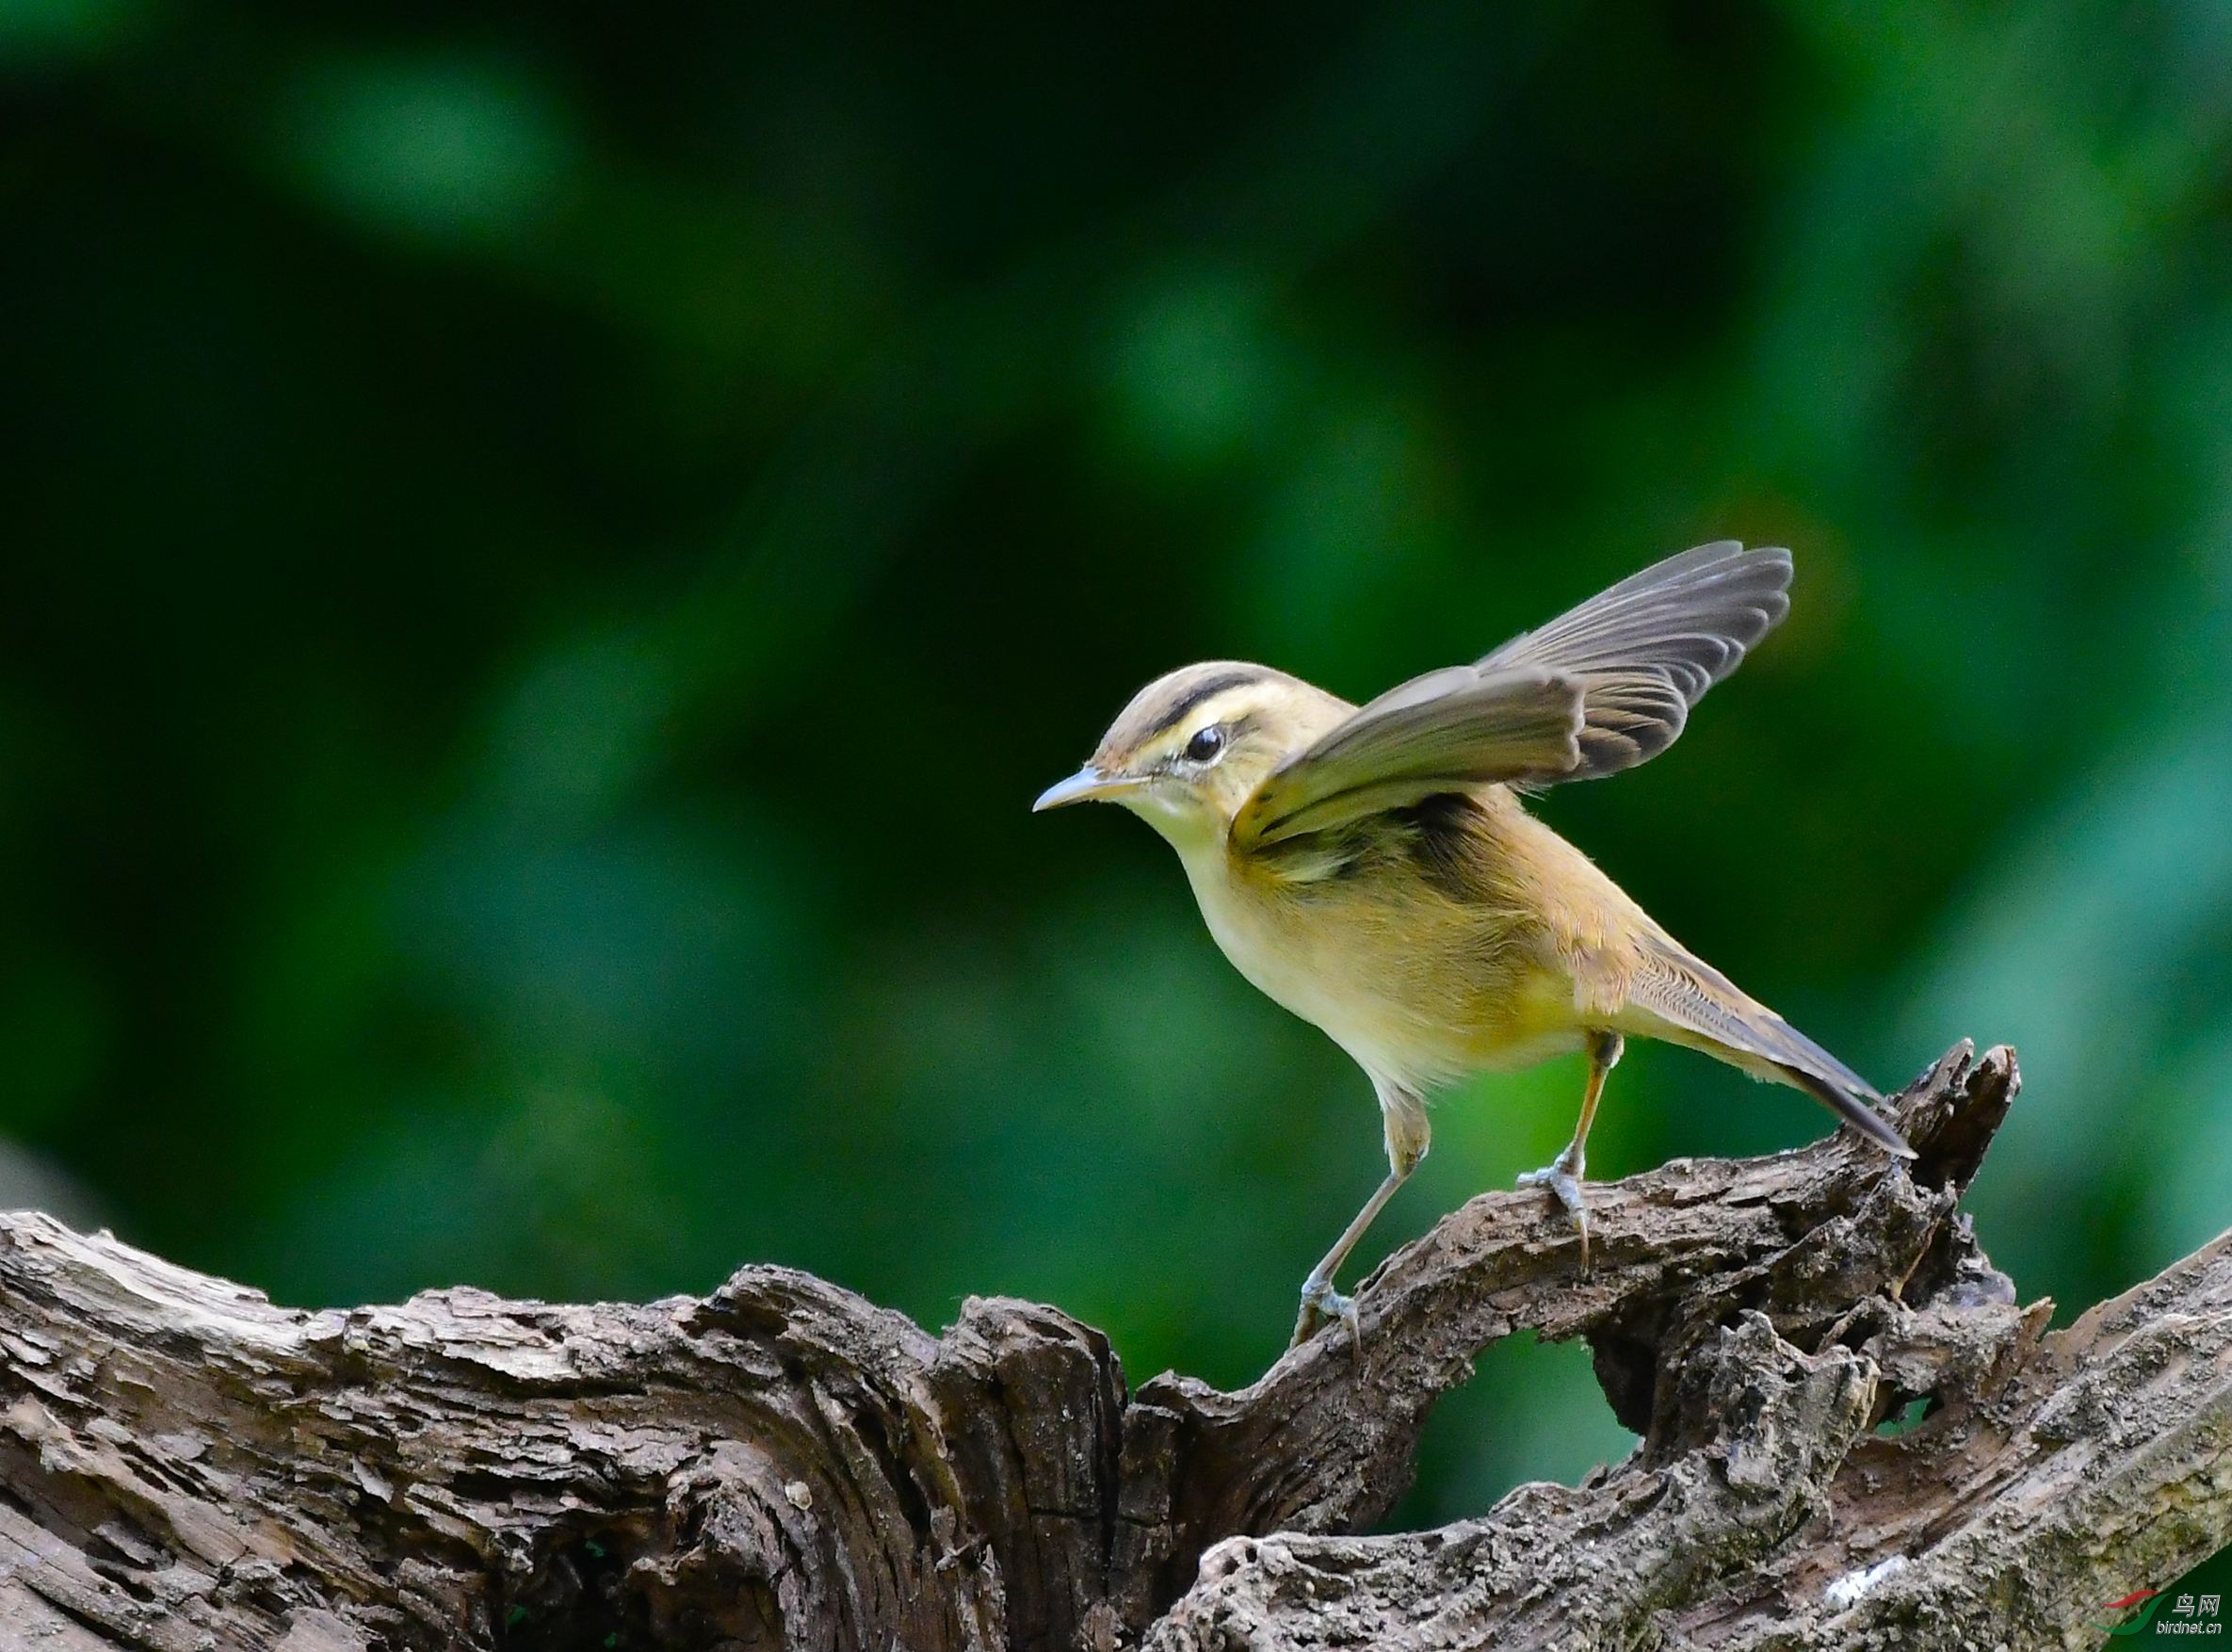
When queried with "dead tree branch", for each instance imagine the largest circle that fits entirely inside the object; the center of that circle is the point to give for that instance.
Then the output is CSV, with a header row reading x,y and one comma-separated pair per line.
x,y
186,1466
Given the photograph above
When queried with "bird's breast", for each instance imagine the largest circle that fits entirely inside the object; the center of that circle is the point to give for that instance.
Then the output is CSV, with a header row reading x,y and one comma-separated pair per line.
x,y
1418,989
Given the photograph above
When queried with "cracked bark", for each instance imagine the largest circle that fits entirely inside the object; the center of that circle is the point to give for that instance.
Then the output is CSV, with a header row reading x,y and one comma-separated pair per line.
x,y
183,1465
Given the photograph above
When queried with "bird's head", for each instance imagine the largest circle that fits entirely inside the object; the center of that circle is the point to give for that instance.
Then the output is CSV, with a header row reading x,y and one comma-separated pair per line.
x,y
1184,755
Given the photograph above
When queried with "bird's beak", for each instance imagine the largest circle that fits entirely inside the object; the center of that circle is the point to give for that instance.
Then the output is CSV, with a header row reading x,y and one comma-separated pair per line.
x,y
1084,786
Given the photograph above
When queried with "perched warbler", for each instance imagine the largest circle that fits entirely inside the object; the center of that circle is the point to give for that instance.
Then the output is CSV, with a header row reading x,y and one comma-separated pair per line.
x,y
1371,869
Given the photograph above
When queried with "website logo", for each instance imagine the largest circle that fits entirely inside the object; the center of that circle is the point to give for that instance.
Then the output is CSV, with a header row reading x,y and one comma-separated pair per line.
x,y
2188,1614
2137,1607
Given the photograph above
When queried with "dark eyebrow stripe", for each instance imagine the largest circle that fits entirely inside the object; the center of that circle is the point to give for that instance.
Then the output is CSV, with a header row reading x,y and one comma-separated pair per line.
x,y
1202,690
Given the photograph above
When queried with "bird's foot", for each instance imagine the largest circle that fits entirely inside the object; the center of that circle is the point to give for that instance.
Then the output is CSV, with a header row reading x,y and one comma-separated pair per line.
x,y
1563,1176
1320,1305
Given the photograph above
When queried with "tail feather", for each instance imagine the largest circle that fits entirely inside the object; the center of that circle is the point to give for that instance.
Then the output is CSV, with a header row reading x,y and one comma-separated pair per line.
x,y
1854,1111
1692,998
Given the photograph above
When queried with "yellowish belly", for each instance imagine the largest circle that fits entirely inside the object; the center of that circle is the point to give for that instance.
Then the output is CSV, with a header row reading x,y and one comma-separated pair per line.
x,y
1418,1001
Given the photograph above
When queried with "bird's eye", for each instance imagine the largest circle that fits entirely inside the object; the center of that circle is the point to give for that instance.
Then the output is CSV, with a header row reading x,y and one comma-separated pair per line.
x,y
1205,744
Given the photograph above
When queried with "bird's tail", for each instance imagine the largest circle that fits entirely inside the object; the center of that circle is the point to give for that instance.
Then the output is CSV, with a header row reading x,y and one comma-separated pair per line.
x,y
1695,1004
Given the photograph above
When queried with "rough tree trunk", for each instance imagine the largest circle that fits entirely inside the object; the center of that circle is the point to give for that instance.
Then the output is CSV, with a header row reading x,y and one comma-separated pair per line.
x,y
184,1465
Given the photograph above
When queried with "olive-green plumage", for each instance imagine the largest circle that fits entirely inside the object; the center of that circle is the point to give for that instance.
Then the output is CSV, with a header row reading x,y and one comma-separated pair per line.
x,y
1373,870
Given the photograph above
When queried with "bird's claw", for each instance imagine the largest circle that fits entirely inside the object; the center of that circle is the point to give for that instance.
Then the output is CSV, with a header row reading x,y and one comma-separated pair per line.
x,y
1563,1176
1320,1305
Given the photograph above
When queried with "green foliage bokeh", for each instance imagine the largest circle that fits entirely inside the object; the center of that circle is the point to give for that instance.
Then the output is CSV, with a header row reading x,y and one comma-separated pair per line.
x,y
549,552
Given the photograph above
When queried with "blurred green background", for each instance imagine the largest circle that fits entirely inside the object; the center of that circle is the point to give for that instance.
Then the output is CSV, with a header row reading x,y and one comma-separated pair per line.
x,y
550,549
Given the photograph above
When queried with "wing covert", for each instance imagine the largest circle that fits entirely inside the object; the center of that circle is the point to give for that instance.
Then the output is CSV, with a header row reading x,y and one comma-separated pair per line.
x,y
1457,727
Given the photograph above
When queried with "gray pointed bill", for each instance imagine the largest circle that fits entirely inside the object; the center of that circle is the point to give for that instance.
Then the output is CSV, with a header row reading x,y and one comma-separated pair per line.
x,y
1088,784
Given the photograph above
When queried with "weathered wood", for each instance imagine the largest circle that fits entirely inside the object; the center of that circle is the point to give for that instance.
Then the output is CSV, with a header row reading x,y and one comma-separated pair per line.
x,y
186,1465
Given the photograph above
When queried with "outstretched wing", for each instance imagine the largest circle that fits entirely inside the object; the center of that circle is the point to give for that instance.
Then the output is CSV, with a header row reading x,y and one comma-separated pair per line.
x,y
1599,690
1646,650
1459,727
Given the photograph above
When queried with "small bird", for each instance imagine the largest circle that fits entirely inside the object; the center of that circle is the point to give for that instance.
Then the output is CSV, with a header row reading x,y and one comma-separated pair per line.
x,y
1371,869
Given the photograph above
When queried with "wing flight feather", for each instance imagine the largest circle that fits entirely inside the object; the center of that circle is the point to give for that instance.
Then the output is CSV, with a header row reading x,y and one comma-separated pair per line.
x,y
1647,649
1602,687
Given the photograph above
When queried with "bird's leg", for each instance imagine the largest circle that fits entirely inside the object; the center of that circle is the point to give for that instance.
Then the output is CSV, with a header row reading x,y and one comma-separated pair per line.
x,y
1403,1117
1321,1302
1562,1174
